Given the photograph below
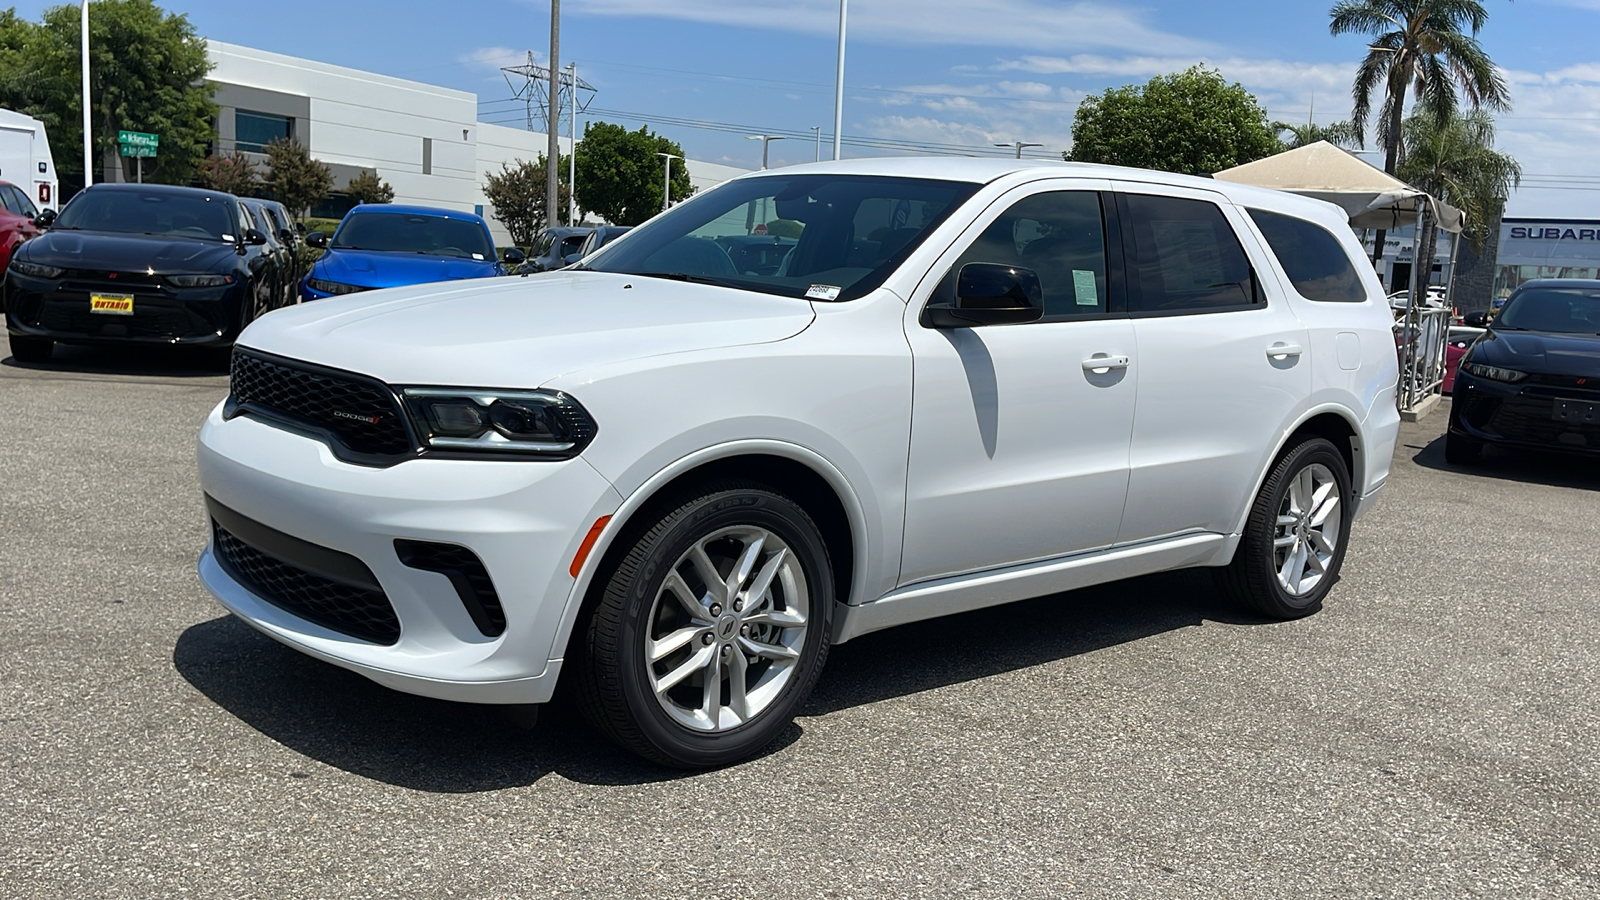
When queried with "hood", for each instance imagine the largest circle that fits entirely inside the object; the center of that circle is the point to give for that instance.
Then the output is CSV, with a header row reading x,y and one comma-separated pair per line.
x,y
1541,352
374,269
521,332
130,252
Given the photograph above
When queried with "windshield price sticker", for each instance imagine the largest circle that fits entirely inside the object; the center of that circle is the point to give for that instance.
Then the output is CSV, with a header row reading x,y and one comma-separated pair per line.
x,y
822,292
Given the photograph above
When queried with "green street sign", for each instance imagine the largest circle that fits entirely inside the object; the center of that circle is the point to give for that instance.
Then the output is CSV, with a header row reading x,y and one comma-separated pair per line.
x,y
132,151
138,139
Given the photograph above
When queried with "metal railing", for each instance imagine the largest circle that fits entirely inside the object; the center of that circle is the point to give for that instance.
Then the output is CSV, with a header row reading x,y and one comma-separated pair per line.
x,y
1423,334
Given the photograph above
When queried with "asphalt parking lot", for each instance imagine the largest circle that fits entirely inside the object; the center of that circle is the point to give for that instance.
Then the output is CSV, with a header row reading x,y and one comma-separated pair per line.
x,y
1434,732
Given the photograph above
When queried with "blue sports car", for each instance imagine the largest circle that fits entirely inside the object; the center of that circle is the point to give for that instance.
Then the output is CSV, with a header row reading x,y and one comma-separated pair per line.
x,y
382,245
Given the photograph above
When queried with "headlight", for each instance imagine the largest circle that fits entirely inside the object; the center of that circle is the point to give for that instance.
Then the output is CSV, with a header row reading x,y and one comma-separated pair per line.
x,y
36,270
498,423
194,281
1495,373
332,287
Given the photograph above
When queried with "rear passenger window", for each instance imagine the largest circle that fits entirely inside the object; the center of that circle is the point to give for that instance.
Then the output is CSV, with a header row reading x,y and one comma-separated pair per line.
x,y
1061,237
1312,257
1185,257
8,201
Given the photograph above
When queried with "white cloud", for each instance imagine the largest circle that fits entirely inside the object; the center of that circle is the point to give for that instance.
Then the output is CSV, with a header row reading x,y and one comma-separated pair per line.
x,y
492,58
1039,24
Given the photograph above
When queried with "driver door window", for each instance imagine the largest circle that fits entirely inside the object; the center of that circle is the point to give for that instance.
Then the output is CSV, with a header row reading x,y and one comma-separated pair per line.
x,y
1060,235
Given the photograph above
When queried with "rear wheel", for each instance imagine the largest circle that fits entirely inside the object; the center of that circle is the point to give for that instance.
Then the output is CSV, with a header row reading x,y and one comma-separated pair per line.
x,y
1461,451
1294,541
32,349
712,629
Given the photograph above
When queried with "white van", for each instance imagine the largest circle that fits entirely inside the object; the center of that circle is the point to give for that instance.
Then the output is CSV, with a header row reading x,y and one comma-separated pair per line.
x,y
25,159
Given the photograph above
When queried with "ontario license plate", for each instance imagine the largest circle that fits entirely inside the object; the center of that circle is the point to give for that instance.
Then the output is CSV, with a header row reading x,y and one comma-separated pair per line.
x,y
1578,412
111,304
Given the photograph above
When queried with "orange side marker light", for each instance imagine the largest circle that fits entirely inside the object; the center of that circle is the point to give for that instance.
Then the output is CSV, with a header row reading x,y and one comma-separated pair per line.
x,y
588,544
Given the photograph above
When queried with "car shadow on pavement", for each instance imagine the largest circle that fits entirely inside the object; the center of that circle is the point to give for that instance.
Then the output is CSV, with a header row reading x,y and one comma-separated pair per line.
x,y
940,652
1528,467
152,360
346,721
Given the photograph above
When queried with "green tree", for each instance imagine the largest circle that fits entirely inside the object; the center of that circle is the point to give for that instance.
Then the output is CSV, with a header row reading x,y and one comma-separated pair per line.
x,y
147,73
294,178
519,195
234,174
1191,122
620,176
367,187
1429,47
1339,134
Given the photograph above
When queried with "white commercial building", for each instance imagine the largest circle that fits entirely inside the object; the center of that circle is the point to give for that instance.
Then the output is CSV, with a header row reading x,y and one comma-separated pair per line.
x,y
424,140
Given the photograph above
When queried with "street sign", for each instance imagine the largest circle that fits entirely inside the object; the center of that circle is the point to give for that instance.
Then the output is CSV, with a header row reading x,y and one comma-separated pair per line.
x,y
132,151
138,139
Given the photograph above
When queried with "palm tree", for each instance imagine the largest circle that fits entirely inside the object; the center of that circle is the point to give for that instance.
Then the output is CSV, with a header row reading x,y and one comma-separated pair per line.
x,y
1340,134
1427,46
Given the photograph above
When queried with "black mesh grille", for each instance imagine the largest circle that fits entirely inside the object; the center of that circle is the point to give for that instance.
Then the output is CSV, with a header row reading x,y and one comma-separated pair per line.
x,y
360,413
349,610
1529,418
466,573
145,322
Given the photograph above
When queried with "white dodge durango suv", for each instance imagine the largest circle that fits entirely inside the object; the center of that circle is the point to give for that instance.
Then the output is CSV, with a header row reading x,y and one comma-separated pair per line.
x,y
675,483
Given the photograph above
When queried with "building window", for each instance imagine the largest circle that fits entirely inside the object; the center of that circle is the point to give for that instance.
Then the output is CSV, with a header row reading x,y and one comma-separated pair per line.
x,y
253,131
427,156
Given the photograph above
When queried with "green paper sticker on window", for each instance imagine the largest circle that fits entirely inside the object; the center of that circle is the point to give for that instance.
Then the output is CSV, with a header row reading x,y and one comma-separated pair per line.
x,y
1083,288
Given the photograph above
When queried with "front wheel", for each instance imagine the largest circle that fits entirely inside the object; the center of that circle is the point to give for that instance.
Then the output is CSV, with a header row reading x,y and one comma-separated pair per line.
x,y
712,629
1294,541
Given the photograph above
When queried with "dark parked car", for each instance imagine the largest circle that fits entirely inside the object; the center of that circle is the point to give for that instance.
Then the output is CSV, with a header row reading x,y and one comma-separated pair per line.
x,y
598,238
139,263
382,245
1533,379
551,249
284,289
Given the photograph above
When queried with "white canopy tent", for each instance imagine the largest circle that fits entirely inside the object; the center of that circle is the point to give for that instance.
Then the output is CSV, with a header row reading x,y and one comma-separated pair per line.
x,y
1370,196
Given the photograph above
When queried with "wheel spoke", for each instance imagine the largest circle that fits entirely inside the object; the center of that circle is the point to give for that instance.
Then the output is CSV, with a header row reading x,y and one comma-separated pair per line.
x,y
688,667
740,573
1320,542
1314,561
680,591
711,693
1325,507
763,580
770,651
715,586
780,619
738,672
1288,540
1284,520
1290,565
672,643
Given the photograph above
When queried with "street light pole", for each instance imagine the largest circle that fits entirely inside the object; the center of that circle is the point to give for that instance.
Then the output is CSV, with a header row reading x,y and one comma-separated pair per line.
x,y
666,186
572,151
838,84
88,145
1019,145
765,139
552,121
817,134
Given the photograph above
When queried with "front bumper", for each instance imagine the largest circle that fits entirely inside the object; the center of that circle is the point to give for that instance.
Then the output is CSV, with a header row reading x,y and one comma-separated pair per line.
x,y
60,311
1522,415
524,520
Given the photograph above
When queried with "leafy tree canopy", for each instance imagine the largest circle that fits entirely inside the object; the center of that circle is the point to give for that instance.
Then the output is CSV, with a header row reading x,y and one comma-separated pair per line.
x,y
518,194
367,187
1339,134
147,73
234,174
1456,162
620,176
294,178
1191,122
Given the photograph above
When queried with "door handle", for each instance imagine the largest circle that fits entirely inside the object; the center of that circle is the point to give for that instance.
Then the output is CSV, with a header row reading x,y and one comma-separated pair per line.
x,y
1105,363
1280,350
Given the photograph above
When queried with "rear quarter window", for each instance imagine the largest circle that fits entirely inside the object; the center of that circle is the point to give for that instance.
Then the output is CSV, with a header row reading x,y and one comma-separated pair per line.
x,y
1315,261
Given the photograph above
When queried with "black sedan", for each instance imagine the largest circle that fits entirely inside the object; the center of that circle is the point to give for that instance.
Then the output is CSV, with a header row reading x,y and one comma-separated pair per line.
x,y
1532,381
151,264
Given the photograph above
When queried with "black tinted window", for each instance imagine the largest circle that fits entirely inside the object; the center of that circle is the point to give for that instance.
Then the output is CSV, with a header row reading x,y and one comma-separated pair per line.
x,y
1312,257
1185,257
1564,310
1061,237
414,233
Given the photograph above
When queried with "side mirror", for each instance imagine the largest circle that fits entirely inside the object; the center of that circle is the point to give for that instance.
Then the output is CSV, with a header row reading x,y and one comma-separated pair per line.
x,y
1477,319
317,239
43,220
254,238
300,227
286,236
512,256
990,294
571,259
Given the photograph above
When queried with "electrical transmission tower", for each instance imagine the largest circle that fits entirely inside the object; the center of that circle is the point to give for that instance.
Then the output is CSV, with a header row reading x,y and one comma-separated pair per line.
x,y
530,82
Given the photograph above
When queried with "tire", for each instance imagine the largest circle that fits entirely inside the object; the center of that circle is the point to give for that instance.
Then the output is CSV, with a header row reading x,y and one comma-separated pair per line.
x,y
1461,451
656,602
1261,574
32,349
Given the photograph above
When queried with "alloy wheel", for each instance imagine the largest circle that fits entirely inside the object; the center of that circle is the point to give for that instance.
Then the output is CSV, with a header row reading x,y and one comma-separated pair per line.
x,y
1308,528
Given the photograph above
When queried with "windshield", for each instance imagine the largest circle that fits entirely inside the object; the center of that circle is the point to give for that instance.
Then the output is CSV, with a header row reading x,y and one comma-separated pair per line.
x,y
828,237
413,233
150,212
1565,310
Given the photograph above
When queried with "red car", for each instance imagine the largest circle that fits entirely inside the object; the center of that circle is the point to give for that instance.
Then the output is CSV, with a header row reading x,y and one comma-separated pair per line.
x,y
16,220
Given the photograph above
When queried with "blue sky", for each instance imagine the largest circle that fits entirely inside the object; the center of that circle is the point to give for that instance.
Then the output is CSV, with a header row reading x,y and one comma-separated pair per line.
x,y
947,72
